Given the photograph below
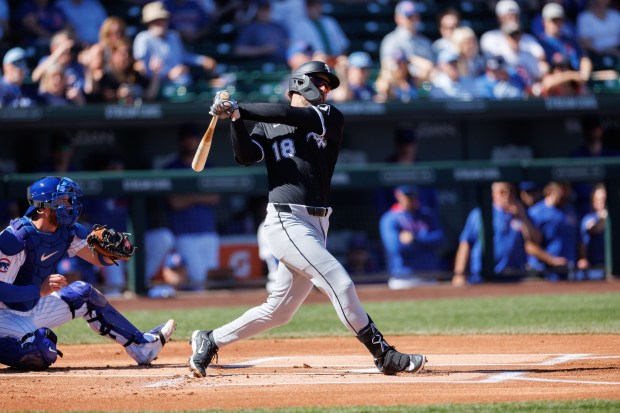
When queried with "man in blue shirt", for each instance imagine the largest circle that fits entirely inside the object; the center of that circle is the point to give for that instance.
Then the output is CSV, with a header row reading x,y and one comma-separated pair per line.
x,y
558,224
512,228
410,233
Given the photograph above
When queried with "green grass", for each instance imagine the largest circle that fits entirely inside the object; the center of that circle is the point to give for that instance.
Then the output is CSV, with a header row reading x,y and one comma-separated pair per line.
x,y
540,314
580,406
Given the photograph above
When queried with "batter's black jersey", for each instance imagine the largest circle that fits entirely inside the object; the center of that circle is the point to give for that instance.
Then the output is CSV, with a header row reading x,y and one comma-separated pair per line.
x,y
299,145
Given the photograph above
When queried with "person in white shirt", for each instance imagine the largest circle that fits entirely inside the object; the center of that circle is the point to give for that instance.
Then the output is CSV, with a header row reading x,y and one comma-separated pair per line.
x,y
497,42
598,31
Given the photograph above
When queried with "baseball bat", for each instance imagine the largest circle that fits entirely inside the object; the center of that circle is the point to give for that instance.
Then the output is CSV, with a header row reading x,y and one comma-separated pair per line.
x,y
202,153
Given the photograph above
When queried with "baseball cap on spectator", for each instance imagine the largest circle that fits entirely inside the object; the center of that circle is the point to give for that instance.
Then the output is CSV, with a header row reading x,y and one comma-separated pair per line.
x,y
447,56
504,7
361,60
553,11
300,46
15,56
154,11
496,63
406,8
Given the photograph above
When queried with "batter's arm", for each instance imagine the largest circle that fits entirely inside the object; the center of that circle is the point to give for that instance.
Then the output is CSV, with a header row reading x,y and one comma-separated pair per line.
x,y
247,150
310,117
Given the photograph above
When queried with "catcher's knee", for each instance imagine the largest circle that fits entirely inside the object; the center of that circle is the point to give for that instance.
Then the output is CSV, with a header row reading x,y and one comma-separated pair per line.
x,y
35,351
79,293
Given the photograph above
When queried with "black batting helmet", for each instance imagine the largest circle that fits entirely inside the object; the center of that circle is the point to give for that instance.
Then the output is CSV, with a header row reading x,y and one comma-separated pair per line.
x,y
300,80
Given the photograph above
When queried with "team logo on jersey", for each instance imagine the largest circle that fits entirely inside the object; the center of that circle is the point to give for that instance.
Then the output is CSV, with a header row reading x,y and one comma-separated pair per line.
x,y
4,264
324,108
321,142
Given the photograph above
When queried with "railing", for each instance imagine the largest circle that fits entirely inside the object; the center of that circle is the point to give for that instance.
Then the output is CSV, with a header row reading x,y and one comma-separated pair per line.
x,y
137,185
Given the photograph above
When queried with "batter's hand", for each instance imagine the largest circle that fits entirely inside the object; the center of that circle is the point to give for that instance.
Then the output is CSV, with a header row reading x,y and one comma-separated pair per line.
x,y
223,108
51,284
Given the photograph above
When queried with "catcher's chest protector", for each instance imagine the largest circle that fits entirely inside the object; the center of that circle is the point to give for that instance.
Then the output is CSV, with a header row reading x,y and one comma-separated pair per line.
x,y
43,253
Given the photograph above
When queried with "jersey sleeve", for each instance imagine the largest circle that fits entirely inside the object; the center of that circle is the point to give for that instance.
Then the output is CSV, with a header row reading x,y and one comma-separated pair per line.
x,y
12,257
307,118
79,240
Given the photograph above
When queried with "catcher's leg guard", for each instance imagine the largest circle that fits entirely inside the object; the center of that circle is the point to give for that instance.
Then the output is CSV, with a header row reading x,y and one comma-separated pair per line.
x,y
35,351
100,315
387,359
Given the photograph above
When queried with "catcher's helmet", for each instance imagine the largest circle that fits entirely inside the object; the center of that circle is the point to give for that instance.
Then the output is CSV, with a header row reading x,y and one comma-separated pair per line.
x,y
300,80
59,194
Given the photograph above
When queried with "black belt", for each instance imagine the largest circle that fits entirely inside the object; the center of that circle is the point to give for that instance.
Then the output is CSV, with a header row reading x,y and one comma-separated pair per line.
x,y
312,210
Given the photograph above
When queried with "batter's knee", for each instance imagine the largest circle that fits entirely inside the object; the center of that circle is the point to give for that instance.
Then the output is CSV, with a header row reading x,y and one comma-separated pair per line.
x,y
34,352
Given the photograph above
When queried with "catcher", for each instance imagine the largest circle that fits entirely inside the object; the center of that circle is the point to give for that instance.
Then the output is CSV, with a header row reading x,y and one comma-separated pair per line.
x,y
33,299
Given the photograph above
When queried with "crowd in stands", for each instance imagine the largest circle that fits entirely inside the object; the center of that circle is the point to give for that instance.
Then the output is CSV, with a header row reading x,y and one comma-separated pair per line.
x,y
74,52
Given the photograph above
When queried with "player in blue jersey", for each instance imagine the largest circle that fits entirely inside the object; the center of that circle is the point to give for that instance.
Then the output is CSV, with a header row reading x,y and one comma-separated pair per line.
x,y
34,298
410,233
512,232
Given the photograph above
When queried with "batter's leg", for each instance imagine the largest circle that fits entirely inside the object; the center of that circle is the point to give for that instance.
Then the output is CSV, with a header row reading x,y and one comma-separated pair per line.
x,y
289,293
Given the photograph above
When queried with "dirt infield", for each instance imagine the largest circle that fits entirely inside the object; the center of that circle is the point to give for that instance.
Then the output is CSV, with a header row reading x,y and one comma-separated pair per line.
x,y
328,371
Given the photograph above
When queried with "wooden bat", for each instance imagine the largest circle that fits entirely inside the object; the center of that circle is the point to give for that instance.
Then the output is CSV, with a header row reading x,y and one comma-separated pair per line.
x,y
202,153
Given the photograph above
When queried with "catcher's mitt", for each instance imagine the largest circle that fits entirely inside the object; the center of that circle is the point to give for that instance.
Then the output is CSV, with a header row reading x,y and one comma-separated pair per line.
x,y
109,243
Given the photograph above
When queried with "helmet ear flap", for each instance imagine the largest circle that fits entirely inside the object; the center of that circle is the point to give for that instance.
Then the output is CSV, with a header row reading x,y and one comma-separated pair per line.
x,y
303,85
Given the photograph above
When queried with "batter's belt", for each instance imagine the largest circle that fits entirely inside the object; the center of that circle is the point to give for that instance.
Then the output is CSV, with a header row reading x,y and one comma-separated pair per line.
x,y
312,210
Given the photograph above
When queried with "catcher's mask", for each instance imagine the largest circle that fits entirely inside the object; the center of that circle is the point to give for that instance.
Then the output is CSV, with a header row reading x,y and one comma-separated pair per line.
x,y
301,81
59,194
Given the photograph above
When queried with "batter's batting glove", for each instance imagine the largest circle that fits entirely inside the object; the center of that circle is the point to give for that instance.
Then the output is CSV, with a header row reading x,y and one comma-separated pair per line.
x,y
224,108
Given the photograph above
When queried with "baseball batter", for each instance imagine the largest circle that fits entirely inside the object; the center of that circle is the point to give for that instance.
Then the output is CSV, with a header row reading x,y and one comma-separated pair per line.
x,y
34,299
299,144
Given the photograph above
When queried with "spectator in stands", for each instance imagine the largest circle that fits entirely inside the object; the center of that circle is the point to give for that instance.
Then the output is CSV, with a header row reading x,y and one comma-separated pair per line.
x,y
567,28
14,68
499,81
123,84
113,29
356,84
598,29
592,254
465,43
189,19
509,41
562,80
192,217
554,217
86,17
158,42
64,54
448,21
38,20
263,40
298,53
5,15
54,89
447,83
322,32
406,40
395,81
410,233
560,47
289,12
512,230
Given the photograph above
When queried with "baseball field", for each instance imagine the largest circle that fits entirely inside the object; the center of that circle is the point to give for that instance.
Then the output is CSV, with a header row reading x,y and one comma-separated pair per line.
x,y
527,347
